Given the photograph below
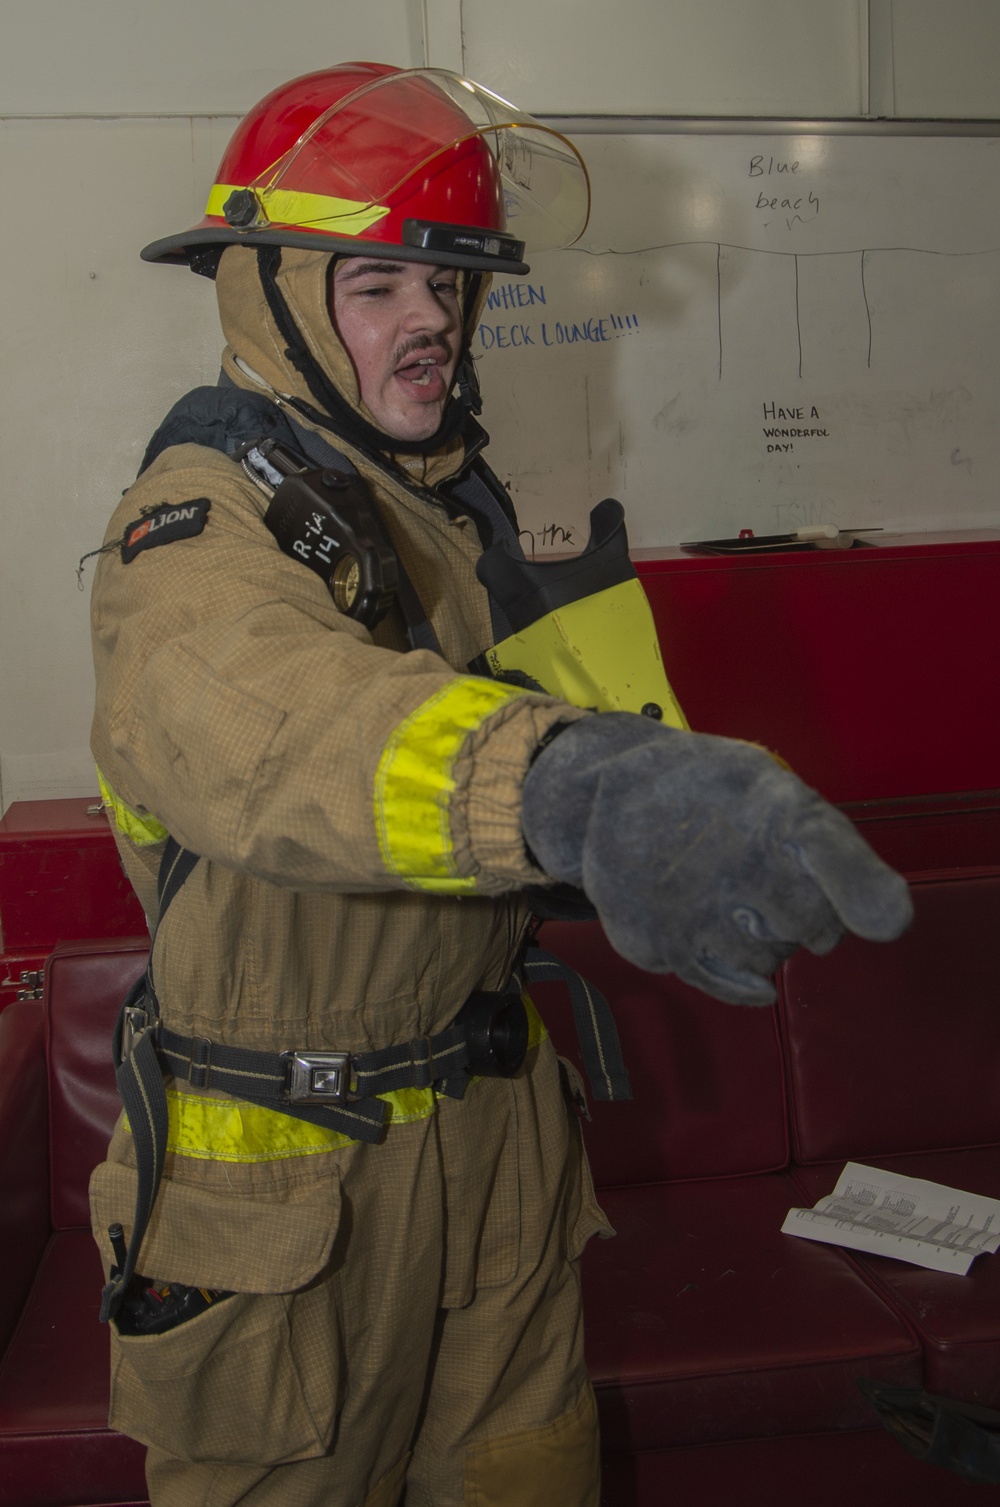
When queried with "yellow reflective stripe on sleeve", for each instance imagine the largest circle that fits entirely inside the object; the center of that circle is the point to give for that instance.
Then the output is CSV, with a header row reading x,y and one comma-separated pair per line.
x,y
144,831
414,783
231,1130
310,211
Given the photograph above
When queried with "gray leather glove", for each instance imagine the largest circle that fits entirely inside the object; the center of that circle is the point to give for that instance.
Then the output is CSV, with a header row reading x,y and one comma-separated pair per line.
x,y
702,855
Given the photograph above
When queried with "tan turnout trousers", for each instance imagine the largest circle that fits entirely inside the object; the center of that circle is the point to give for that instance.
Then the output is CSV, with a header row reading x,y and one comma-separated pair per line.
x,y
419,1322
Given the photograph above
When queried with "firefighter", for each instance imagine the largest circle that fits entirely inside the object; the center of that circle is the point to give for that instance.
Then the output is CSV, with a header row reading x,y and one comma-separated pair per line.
x,y
342,1216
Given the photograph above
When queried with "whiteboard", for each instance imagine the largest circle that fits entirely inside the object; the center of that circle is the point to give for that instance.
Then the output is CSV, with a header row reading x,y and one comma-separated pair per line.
x,y
761,328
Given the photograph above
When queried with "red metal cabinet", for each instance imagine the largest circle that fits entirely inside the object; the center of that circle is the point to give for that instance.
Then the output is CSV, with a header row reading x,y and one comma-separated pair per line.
x,y
60,881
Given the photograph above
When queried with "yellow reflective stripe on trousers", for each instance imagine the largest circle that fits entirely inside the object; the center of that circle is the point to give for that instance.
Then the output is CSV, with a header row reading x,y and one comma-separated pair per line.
x,y
230,1130
144,831
414,783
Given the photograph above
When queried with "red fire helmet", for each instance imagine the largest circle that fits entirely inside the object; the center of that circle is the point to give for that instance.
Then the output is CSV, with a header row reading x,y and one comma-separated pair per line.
x,y
362,157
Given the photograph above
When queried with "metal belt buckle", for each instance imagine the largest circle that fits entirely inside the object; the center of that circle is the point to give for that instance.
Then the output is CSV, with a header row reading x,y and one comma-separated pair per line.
x,y
134,1022
319,1077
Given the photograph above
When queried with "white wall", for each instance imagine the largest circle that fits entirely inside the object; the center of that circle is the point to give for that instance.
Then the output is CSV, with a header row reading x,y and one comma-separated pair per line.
x,y
113,115
689,57
945,58
189,57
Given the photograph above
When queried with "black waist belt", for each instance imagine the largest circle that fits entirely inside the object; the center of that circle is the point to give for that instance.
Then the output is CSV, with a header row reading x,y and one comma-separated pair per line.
x,y
338,1090
326,1080
488,1037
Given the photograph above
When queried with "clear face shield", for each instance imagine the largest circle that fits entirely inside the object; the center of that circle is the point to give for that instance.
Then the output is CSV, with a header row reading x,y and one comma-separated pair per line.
x,y
428,146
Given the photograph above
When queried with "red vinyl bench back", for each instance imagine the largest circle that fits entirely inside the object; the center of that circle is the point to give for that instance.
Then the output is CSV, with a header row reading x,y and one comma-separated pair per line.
x,y
707,1078
897,1048
85,983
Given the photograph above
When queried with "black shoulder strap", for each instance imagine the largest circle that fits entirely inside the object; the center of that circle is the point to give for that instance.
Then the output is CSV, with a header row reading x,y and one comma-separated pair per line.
x,y
230,419
317,449
221,418
482,496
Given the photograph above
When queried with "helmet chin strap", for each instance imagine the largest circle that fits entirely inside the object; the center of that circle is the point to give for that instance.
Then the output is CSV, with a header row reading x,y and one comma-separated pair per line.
x,y
335,412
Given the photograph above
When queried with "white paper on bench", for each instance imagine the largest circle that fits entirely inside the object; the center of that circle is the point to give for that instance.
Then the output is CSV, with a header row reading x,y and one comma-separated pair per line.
x,y
887,1214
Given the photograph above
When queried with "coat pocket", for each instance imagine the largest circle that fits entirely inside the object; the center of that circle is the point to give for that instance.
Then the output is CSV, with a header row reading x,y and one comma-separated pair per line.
x,y
257,1378
584,1215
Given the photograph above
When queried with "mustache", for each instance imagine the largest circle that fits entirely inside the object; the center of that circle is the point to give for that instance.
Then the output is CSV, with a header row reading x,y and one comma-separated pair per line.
x,y
421,343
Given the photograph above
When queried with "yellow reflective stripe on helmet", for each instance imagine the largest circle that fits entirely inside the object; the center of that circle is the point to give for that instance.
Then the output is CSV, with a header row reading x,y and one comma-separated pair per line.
x,y
231,1130
144,831
282,206
414,783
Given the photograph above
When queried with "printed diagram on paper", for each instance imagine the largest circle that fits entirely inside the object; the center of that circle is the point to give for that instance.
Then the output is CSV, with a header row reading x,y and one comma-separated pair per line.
x,y
912,1220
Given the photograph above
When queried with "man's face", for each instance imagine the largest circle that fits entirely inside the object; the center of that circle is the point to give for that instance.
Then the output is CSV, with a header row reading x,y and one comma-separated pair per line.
x,y
401,325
